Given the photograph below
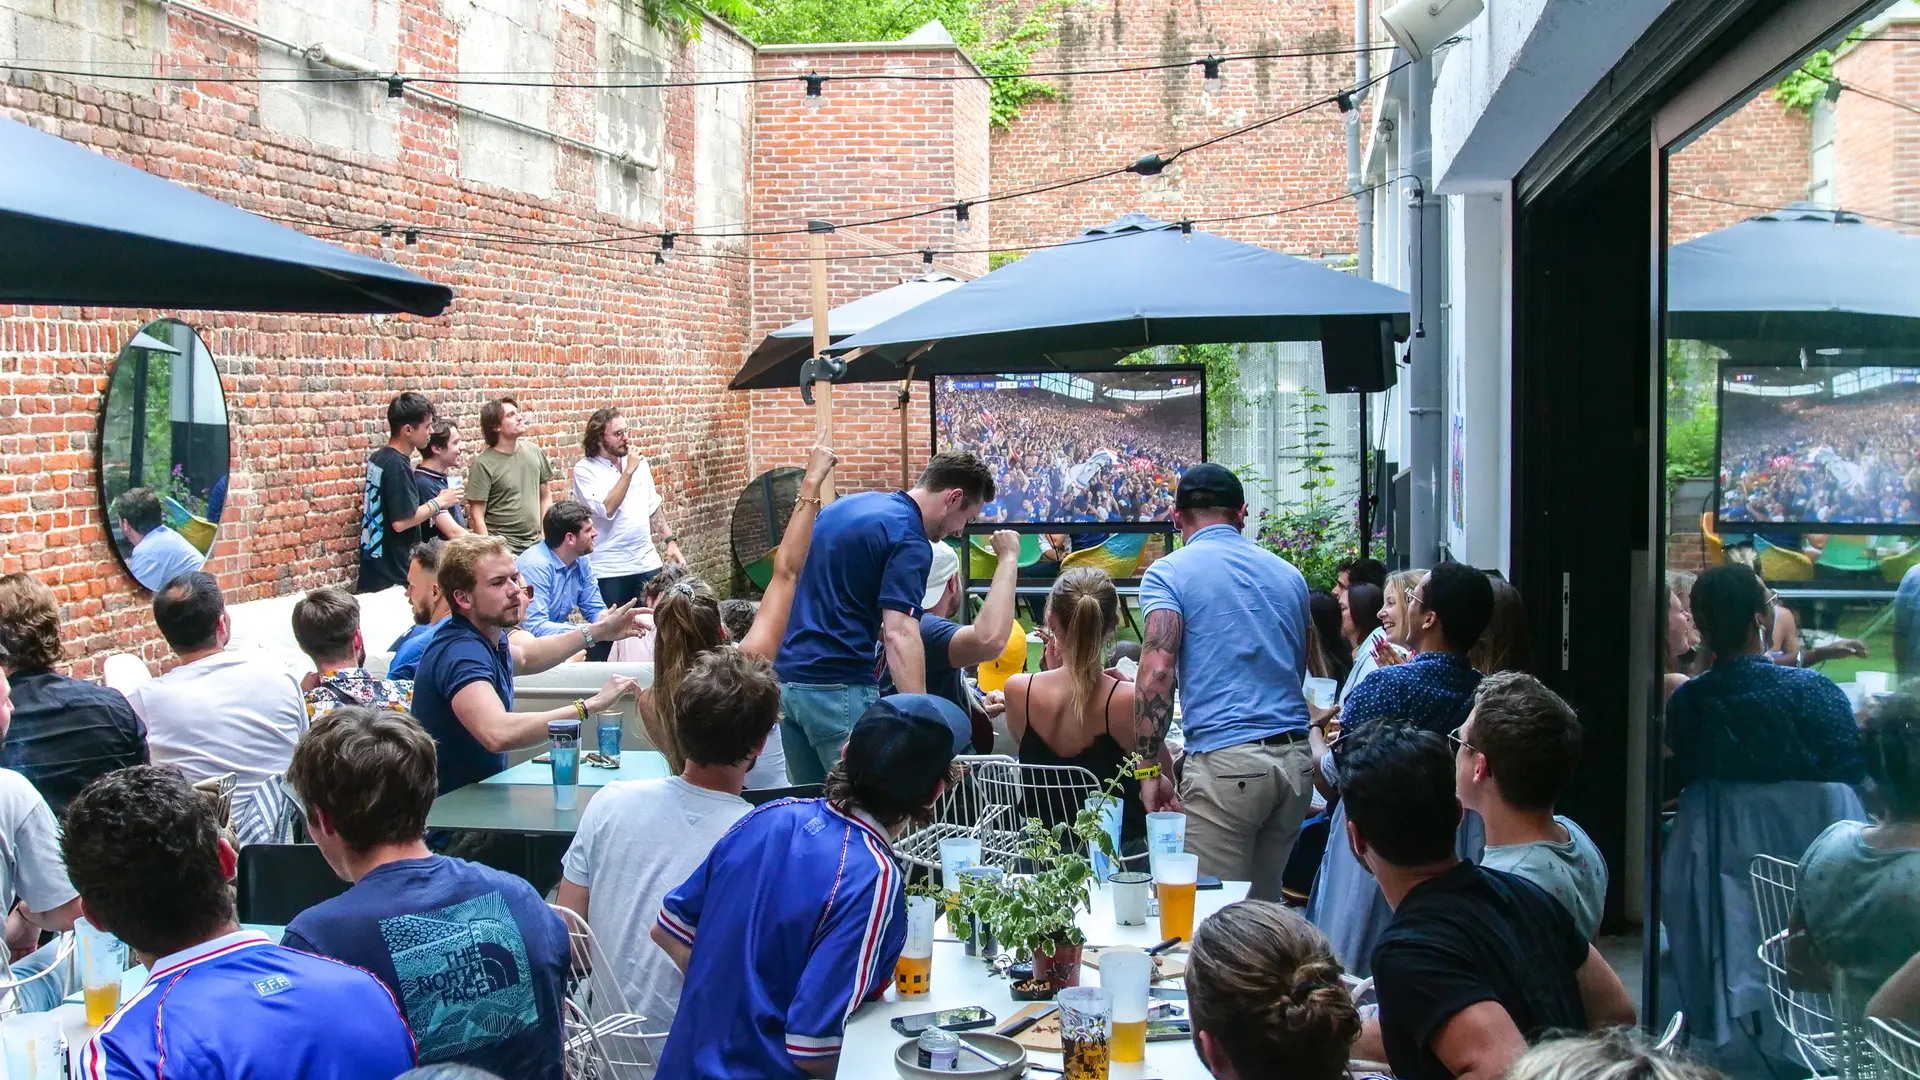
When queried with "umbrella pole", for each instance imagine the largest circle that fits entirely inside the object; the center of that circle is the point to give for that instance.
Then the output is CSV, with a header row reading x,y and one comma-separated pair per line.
x,y
1366,498
823,391
906,398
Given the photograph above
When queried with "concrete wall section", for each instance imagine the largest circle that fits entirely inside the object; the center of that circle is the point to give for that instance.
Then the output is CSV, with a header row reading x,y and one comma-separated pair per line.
x,y
1523,66
723,130
85,35
630,120
507,36
350,114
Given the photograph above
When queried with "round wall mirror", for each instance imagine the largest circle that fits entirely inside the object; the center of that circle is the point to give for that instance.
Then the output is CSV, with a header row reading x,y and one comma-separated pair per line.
x,y
163,453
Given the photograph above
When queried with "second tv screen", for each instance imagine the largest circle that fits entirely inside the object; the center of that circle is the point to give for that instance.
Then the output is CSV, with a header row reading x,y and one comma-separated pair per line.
x,y
1099,446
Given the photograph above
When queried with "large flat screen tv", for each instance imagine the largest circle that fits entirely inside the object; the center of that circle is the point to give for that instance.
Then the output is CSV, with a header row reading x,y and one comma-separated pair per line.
x,y
1073,449
1823,449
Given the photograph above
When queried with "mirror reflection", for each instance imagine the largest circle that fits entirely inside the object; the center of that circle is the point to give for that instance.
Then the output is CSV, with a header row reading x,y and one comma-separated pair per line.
x,y
163,453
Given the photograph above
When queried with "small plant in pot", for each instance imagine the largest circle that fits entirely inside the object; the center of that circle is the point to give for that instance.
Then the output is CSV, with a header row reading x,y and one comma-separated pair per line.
x,y
1035,915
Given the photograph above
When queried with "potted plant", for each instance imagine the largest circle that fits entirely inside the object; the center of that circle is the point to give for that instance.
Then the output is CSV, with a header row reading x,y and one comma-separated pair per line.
x,y
1035,915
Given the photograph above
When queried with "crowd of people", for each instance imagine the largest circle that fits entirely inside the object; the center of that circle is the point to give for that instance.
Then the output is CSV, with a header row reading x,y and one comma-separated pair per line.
x,y
1058,459
1854,462
1423,800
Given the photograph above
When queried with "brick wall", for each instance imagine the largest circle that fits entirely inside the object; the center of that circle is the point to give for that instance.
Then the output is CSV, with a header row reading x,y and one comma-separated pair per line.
x,y
870,145
1876,144
1101,121
567,329
1759,155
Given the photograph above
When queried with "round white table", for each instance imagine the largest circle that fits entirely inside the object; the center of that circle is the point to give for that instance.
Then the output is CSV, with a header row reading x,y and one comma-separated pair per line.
x,y
960,980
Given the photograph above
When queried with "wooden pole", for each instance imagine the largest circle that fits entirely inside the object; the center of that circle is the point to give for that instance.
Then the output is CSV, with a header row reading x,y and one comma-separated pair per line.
x,y
906,399
822,391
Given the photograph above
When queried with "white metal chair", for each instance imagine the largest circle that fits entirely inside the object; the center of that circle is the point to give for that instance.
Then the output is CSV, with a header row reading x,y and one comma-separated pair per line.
x,y
959,812
1012,792
60,969
1670,1038
1808,1018
1896,1046
603,1036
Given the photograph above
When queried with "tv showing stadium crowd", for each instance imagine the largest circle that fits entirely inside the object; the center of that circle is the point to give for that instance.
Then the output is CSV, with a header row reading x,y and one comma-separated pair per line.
x,y
1090,446
1820,446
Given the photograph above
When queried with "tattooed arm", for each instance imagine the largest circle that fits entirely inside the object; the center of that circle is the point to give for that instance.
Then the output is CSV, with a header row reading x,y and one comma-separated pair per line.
x,y
1153,696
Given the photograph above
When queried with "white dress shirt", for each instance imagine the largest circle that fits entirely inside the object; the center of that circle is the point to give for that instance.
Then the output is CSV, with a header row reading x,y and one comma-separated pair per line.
x,y
625,542
231,712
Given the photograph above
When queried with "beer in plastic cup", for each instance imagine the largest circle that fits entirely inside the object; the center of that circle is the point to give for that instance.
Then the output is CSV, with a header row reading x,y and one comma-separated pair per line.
x,y
1086,1031
102,960
1175,879
913,972
1127,973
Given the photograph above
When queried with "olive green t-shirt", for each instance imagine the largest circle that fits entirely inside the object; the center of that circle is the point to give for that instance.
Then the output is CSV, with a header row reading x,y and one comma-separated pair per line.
x,y
510,486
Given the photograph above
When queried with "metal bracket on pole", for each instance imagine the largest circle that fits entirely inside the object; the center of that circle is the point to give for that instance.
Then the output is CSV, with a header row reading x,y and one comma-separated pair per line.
x,y
817,369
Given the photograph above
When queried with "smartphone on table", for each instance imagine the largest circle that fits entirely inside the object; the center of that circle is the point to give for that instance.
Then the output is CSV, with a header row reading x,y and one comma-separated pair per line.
x,y
963,1019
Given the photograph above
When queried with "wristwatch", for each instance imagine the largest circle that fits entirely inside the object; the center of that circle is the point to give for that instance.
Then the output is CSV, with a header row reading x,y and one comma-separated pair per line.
x,y
586,632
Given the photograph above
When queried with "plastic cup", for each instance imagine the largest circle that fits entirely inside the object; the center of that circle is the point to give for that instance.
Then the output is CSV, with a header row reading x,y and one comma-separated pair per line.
x,y
1322,692
1127,973
1108,807
1874,682
563,743
957,853
913,972
1086,1031
608,727
1129,889
34,1046
1175,878
1166,835
101,959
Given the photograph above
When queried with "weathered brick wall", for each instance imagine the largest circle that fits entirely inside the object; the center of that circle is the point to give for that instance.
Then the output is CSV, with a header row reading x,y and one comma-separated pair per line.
x,y
1876,144
872,149
1103,121
1759,156
566,329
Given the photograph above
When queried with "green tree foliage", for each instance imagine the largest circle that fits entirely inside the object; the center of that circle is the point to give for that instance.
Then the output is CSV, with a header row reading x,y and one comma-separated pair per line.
x,y
1813,78
998,35
685,16
1693,370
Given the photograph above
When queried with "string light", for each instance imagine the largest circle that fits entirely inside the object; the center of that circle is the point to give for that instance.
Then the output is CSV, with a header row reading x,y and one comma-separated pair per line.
x,y
1210,75
1186,232
960,218
396,86
927,256
1149,165
413,237
816,83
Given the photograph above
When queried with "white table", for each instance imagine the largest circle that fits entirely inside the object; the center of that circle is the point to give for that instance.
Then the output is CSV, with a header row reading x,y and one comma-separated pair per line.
x,y
960,980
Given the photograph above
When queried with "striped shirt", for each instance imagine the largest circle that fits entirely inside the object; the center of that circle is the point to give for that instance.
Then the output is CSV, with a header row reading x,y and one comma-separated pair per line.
x,y
241,1006
795,918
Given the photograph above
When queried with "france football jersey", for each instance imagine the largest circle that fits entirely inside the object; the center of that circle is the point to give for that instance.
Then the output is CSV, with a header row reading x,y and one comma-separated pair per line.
x,y
241,1006
795,918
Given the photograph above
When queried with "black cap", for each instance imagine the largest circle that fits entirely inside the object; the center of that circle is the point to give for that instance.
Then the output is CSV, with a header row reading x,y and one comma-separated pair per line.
x,y
900,748
1207,486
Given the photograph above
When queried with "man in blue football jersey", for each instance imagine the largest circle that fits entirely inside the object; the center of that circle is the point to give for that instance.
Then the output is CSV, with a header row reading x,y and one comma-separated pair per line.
x,y
799,911
146,854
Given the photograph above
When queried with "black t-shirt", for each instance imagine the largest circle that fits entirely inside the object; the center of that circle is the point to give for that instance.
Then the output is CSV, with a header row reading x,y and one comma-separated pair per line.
x,y
67,732
390,496
1467,936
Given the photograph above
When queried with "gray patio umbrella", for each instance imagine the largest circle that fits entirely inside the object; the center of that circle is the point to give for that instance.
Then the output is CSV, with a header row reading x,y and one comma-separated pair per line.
x,y
776,363
1797,277
1116,289
82,228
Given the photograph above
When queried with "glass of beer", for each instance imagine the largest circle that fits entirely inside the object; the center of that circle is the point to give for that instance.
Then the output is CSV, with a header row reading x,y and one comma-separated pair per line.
x,y
1126,973
913,972
102,960
1086,1030
1175,876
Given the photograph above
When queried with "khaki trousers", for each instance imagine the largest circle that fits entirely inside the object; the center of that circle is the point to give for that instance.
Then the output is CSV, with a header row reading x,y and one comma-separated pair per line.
x,y
1244,806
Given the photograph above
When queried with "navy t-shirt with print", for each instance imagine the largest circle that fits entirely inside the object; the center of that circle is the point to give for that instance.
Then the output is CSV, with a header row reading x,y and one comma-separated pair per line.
x,y
869,554
477,961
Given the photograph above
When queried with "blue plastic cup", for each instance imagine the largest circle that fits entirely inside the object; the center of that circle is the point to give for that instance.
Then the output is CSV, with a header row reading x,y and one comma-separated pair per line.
x,y
607,732
563,743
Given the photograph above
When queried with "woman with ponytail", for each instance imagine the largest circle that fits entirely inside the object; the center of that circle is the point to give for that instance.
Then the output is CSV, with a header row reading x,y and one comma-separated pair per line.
x,y
1266,998
687,623
1075,712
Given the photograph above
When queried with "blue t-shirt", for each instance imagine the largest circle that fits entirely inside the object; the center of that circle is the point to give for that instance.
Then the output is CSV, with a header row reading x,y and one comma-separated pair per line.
x,y
240,1005
1243,653
477,960
161,556
456,655
943,679
410,647
795,918
869,553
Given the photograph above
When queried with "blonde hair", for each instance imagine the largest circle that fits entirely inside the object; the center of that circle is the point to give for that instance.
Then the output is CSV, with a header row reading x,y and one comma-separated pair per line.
x,y
1087,608
1622,1054
1263,983
687,620
458,560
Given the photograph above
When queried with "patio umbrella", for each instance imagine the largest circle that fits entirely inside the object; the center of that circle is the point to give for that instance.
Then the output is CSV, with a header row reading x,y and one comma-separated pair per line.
x,y
1116,289
1797,277
86,229
776,363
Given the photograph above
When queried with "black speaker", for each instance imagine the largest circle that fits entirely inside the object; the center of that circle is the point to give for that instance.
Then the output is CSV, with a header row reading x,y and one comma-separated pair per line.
x,y
1356,353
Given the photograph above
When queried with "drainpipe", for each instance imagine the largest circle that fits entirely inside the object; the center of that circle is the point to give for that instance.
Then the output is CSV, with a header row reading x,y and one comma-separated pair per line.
x,y
1362,200
1427,452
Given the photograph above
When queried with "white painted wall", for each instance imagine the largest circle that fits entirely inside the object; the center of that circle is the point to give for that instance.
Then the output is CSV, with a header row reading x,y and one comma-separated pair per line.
x,y
352,115
631,119
511,36
722,131
1479,424
85,35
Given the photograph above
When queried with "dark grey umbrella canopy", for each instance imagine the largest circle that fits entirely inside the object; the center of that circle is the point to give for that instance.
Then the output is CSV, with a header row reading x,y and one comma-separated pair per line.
x,y
1797,277
776,363
1119,288
82,228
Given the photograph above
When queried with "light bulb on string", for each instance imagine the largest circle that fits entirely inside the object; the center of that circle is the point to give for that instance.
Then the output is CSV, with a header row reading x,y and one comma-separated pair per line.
x,y
961,219
1186,232
816,87
1210,75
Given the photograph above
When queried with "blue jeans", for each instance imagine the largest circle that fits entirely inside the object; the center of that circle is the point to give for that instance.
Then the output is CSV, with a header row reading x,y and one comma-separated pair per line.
x,y
814,721
42,995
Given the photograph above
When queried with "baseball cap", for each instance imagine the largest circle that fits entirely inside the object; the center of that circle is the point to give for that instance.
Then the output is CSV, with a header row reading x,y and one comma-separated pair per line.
x,y
902,744
946,567
1209,486
1011,661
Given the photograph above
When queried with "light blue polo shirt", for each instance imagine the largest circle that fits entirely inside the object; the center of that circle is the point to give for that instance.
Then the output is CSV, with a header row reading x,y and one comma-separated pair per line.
x,y
161,556
1244,651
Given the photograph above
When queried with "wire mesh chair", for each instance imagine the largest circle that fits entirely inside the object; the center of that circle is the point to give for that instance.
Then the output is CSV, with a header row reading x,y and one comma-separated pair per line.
x,y
602,1035
959,812
1808,1018
60,969
1011,792
1670,1038
1896,1047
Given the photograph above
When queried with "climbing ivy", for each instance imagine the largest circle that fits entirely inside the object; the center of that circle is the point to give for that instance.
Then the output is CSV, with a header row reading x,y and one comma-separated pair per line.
x,y
1001,36
1806,84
